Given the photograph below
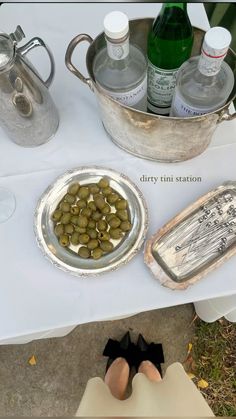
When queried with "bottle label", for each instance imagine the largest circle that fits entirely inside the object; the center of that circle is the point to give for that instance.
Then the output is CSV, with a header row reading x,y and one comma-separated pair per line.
x,y
130,97
161,85
118,51
182,109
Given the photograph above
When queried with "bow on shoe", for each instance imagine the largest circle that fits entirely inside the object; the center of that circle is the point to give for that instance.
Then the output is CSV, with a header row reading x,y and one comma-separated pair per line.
x,y
134,354
123,348
155,353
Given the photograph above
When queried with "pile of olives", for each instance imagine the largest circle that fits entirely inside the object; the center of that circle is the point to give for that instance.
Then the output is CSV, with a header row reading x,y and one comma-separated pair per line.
x,y
91,216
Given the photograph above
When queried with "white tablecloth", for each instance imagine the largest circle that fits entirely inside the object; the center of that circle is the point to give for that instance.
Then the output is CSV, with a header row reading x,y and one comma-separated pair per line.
x,y
35,297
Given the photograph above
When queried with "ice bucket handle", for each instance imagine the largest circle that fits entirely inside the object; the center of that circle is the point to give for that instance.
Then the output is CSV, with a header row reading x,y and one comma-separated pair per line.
x,y
225,115
68,57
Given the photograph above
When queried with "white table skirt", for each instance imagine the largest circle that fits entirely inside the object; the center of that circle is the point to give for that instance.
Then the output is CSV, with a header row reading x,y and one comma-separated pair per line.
x,y
36,299
211,310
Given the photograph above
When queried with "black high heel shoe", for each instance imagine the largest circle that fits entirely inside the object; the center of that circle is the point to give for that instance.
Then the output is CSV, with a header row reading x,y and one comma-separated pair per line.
x,y
116,349
149,352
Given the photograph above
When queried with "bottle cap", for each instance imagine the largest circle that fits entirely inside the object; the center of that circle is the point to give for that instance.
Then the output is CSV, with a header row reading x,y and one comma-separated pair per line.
x,y
116,25
214,49
216,42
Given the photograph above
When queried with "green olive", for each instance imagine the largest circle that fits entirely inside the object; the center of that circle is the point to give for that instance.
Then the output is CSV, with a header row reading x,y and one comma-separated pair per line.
x,y
65,219
84,238
65,206
75,210
74,188
114,222
103,236
102,225
64,240
69,198
84,252
121,204
80,229
116,233
99,201
125,226
74,219
109,216
92,205
112,198
82,221
96,215
87,212
75,238
56,215
106,246
97,253
94,189
91,224
92,233
107,191
81,204
83,192
59,230
92,244
122,214
69,228
103,183
106,209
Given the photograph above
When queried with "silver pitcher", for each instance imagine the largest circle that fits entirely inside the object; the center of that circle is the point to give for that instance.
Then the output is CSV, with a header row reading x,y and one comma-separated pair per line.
x,y
27,112
145,135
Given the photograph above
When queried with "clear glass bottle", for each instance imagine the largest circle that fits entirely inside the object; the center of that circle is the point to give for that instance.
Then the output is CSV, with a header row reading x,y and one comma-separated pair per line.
x,y
120,69
169,45
205,82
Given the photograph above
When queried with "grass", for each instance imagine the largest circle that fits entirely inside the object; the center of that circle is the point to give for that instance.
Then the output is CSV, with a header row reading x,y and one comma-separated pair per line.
x,y
214,359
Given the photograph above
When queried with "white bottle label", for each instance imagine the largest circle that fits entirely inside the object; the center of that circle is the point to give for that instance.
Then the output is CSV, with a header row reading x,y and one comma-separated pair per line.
x,y
128,98
161,85
183,109
118,51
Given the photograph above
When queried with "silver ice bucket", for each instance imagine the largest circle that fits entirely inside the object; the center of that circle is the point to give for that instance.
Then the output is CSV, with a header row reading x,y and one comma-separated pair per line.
x,y
153,137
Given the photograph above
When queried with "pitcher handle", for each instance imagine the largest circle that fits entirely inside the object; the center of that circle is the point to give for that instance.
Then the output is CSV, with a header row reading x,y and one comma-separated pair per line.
x,y
68,57
225,115
38,42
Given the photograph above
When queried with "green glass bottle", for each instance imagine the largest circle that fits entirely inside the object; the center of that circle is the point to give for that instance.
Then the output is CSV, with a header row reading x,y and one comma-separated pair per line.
x,y
169,45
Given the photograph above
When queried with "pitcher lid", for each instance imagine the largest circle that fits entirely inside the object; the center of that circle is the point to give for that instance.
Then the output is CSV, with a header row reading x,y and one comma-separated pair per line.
x,y
6,50
7,45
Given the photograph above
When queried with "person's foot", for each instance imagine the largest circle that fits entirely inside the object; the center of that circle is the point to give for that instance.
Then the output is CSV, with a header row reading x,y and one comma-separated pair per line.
x,y
152,352
149,369
117,377
119,349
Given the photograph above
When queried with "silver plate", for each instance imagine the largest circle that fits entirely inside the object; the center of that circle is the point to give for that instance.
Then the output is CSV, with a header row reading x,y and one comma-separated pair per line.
x,y
66,259
204,237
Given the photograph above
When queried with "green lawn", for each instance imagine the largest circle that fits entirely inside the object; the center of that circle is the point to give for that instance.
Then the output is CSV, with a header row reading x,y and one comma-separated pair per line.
x,y
214,360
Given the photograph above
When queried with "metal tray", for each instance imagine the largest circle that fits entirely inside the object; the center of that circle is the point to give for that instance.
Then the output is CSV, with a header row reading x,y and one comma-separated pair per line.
x,y
196,241
65,258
